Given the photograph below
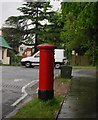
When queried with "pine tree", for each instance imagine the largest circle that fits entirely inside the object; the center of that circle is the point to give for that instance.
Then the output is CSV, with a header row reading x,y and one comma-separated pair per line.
x,y
30,21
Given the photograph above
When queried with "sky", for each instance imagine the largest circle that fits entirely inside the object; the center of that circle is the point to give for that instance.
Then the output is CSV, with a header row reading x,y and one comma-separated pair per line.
x,y
9,8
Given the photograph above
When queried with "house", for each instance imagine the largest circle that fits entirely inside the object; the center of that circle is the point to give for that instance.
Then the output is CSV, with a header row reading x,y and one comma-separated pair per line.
x,y
25,50
4,50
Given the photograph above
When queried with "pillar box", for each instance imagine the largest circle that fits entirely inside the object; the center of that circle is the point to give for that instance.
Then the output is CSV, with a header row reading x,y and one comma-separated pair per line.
x,y
46,72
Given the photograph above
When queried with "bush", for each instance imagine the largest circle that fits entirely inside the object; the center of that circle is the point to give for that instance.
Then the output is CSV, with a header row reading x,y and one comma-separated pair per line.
x,y
15,60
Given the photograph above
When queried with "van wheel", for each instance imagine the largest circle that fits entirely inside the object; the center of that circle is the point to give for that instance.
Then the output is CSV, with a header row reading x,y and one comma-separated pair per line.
x,y
28,64
57,65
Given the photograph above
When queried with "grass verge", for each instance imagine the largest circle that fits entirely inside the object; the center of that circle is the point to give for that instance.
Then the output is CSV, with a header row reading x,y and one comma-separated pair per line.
x,y
84,67
49,109
63,80
39,109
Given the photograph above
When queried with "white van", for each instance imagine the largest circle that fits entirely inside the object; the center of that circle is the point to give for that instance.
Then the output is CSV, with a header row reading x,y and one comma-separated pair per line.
x,y
60,59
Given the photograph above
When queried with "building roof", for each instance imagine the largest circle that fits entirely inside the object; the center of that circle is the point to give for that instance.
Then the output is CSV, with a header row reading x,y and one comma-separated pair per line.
x,y
3,43
26,44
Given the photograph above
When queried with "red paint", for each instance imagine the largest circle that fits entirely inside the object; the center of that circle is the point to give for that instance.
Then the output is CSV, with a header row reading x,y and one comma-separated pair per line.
x,y
46,73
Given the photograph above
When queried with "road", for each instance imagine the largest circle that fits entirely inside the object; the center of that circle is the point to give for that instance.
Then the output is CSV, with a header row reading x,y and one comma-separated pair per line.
x,y
84,73
16,84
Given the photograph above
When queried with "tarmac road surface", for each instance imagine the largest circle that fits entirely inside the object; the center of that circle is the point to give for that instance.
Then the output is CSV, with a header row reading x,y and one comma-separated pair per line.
x,y
16,82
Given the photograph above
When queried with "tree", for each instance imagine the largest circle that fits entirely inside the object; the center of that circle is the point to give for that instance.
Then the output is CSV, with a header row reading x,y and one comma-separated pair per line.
x,y
70,12
88,21
13,35
53,30
80,27
30,21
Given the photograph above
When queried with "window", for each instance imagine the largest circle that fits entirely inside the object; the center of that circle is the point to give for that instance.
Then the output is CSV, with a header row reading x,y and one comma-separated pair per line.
x,y
38,55
21,48
2,53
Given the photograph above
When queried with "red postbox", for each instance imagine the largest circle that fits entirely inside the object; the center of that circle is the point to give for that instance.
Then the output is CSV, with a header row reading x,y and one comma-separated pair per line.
x,y
46,72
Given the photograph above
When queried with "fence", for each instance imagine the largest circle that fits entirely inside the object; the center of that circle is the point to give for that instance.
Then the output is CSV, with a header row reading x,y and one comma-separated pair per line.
x,y
80,60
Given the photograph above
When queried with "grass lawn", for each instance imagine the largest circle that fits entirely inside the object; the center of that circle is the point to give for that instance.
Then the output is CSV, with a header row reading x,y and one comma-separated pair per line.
x,y
39,109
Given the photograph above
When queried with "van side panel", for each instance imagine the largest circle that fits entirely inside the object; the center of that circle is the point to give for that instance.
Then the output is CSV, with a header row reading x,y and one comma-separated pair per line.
x,y
59,55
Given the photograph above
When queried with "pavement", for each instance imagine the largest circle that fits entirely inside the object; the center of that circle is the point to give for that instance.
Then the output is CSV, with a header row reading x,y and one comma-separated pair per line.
x,y
80,101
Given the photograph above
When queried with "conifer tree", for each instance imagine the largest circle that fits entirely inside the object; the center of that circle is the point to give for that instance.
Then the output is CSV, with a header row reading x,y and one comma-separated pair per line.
x,y
33,14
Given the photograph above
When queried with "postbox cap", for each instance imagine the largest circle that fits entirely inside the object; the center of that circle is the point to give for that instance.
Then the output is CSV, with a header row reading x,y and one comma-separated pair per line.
x,y
46,46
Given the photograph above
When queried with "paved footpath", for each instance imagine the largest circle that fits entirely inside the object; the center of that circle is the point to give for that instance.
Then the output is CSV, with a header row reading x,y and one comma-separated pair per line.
x,y
81,99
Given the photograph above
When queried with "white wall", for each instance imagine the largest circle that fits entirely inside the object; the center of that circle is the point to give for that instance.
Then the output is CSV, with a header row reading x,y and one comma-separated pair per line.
x,y
6,60
21,51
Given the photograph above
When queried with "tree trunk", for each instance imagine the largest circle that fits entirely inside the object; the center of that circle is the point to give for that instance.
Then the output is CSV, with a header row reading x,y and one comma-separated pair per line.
x,y
36,34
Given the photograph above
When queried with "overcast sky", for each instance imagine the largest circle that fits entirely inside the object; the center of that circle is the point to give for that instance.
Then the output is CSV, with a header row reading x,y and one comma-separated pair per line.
x,y
9,8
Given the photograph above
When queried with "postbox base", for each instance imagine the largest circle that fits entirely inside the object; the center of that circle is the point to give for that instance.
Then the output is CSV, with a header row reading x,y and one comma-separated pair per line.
x,y
45,95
